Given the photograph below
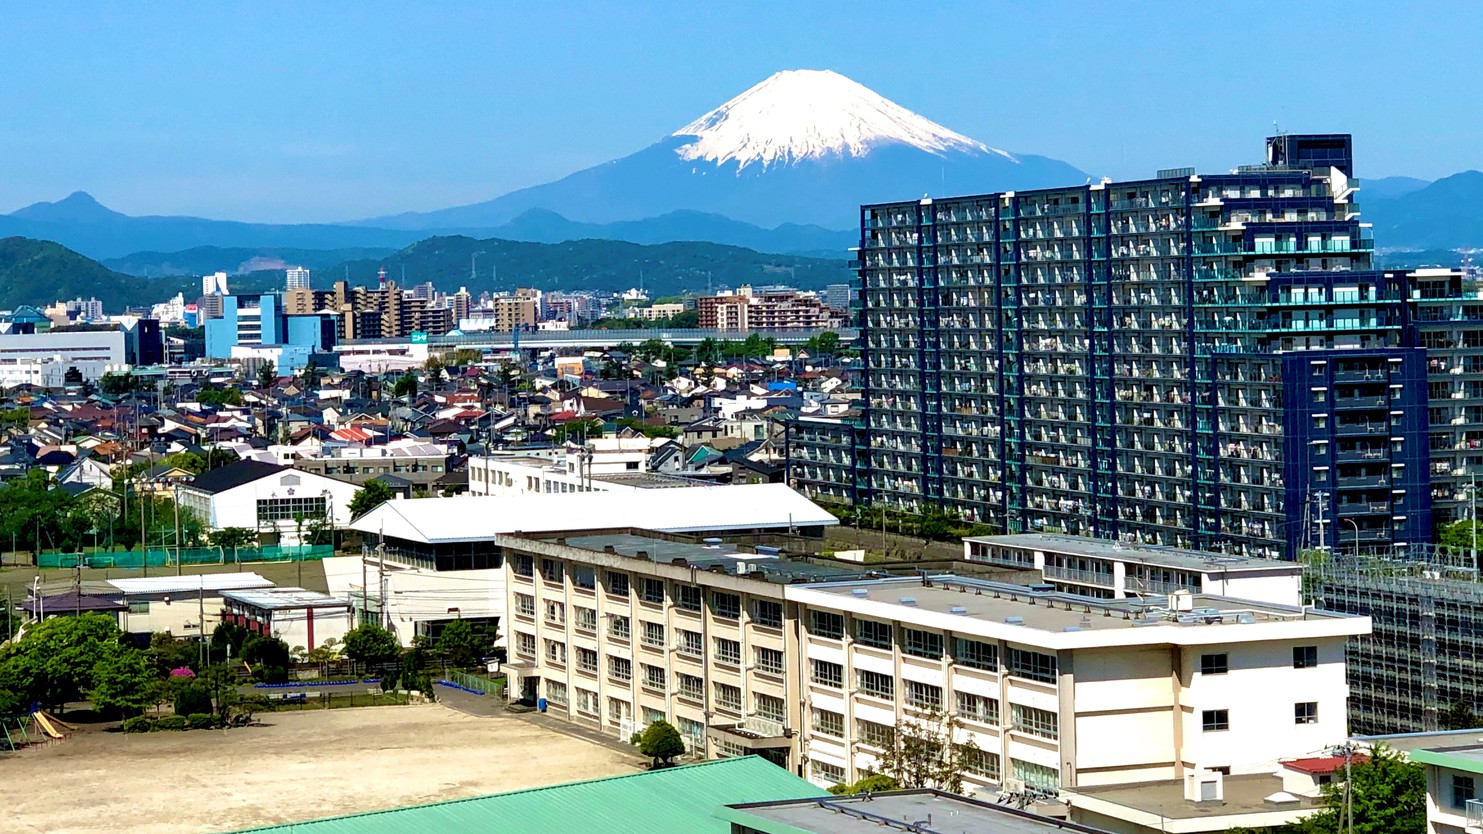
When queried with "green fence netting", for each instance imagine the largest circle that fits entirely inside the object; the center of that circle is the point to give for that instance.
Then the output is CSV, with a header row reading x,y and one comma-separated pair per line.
x,y
170,557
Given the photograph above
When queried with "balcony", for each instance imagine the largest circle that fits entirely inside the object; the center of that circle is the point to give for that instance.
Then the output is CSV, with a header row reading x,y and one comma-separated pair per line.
x,y
1364,508
1361,429
1360,402
753,732
1364,481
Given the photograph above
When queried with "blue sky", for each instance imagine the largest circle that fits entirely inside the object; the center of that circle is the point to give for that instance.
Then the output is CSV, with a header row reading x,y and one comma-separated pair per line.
x,y
309,112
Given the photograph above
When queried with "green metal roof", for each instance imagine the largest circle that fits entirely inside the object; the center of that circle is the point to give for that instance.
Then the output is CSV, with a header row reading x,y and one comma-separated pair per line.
x,y
1467,759
678,800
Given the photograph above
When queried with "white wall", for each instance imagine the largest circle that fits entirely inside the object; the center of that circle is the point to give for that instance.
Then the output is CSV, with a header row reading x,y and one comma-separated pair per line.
x,y
416,594
238,507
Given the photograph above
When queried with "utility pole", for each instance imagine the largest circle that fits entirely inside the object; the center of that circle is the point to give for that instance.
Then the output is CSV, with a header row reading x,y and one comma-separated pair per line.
x,y
1473,504
201,615
178,567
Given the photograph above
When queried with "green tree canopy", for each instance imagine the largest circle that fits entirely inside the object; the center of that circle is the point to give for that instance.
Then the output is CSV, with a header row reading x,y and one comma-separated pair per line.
x,y
405,385
55,661
461,645
372,645
370,496
1389,797
661,742
232,537
125,682
267,374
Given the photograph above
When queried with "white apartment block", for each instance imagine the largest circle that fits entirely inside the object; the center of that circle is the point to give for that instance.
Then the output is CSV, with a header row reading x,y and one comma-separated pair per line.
x,y
1061,690
1115,570
609,464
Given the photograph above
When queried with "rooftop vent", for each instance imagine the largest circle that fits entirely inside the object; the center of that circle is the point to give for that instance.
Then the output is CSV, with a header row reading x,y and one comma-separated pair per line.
x,y
1246,619
763,550
712,541
1145,622
1042,588
959,610
859,592
1015,620
909,601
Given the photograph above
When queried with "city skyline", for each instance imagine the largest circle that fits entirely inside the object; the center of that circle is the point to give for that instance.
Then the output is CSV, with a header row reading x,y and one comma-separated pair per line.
x,y
313,116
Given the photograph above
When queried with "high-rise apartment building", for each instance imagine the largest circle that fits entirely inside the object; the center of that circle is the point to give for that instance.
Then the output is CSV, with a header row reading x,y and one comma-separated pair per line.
x,y
1198,360
296,278
382,312
765,309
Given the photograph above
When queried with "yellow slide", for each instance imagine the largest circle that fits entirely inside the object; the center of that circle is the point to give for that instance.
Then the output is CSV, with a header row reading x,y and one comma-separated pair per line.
x,y
57,721
45,725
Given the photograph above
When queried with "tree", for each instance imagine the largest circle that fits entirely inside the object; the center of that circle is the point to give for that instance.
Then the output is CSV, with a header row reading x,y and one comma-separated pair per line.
x,y
874,783
231,538
268,657
824,344
310,375
371,645
1459,716
124,682
662,743
1459,535
433,368
1388,794
56,659
921,753
267,374
219,396
460,645
219,680
405,385
370,496
192,699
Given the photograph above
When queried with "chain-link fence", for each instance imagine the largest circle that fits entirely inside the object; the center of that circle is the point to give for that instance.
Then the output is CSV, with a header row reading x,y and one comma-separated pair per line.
x,y
170,557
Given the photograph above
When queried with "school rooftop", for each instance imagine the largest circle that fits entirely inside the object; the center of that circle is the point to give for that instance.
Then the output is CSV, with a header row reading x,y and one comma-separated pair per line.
x,y
912,811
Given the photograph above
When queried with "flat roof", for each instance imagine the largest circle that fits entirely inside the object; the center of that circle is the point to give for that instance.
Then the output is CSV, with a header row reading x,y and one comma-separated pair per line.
x,y
924,811
280,598
717,555
648,480
1244,794
697,509
1173,557
1467,758
942,600
188,583
1411,742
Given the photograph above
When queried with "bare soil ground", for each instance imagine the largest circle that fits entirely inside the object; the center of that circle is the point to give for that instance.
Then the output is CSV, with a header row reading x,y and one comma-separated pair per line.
x,y
297,766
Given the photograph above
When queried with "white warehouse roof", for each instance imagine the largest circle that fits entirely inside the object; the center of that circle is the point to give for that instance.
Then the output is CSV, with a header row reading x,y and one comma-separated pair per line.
x,y
188,584
691,510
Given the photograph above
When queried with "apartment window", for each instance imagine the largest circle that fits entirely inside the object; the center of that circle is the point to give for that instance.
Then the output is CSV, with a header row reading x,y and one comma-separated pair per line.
x,y
618,585
525,605
981,763
523,565
826,624
876,684
617,710
728,651
728,697
620,669
525,644
919,643
691,643
556,652
619,628
1304,657
550,570
825,772
976,654
1215,720
1032,665
923,696
1464,788
1305,712
586,619
653,635
556,693
584,577
652,590
767,613
1214,664
874,634
829,674
587,702
555,612
769,707
726,606
875,735
687,598
1036,722
653,677
1038,776
828,723
586,660
691,687
769,661
978,708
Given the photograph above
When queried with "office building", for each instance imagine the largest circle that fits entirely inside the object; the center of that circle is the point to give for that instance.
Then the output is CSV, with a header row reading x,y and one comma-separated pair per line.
x,y
837,297
296,278
1201,361
84,352
257,328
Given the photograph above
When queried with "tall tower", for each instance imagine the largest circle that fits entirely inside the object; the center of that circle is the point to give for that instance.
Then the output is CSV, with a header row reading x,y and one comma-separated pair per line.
x,y
297,278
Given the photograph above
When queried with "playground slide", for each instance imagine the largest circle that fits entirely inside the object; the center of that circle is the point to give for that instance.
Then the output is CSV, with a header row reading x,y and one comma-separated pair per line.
x,y
59,722
46,726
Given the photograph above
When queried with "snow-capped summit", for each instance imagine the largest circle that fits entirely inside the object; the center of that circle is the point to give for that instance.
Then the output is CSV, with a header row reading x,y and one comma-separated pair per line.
x,y
803,146
808,114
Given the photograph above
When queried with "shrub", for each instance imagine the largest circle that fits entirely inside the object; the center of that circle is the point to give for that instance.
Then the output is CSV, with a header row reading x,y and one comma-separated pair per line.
x,y
172,722
200,720
138,724
192,699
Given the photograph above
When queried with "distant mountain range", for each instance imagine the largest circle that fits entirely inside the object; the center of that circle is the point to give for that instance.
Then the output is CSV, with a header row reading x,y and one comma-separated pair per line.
x,y
1446,214
38,272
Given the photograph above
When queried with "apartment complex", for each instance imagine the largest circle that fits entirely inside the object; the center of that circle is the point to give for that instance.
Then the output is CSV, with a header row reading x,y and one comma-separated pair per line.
x,y
296,278
382,312
1206,361
765,309
423,465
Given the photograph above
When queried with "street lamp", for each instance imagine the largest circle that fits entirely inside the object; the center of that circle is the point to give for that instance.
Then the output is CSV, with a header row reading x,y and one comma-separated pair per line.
x,y
1355,525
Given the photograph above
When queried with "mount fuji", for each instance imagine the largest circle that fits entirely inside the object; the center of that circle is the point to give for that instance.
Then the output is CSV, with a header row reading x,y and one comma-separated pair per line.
x,y
803,146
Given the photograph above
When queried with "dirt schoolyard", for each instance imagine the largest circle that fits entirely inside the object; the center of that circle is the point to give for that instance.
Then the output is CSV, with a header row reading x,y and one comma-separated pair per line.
x,y
297,766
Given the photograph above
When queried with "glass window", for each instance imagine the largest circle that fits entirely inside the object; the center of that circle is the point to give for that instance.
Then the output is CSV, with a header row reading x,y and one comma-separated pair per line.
x,y
586,619
1305,712
727,606
978,708
1032,665
875,735
728,697
586,660
270,510
653,635
653,676
828,723
826,624
1038,776
769,707
766,612
923,696
556,693
1215,720
551,570
981,763
525,644
827,674
556,652
1304,657
692,688
826,773
584,577
618,584
1214,664
728,651
1464,788
525,605
524,565
618,628
1036,722
620,669
876,684
652,590
691,643
919,643
769,661
976,654
555,612
687,597
874,634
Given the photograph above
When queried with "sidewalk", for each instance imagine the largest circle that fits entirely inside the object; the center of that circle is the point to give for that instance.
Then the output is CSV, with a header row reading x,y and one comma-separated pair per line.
x,y
479,706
